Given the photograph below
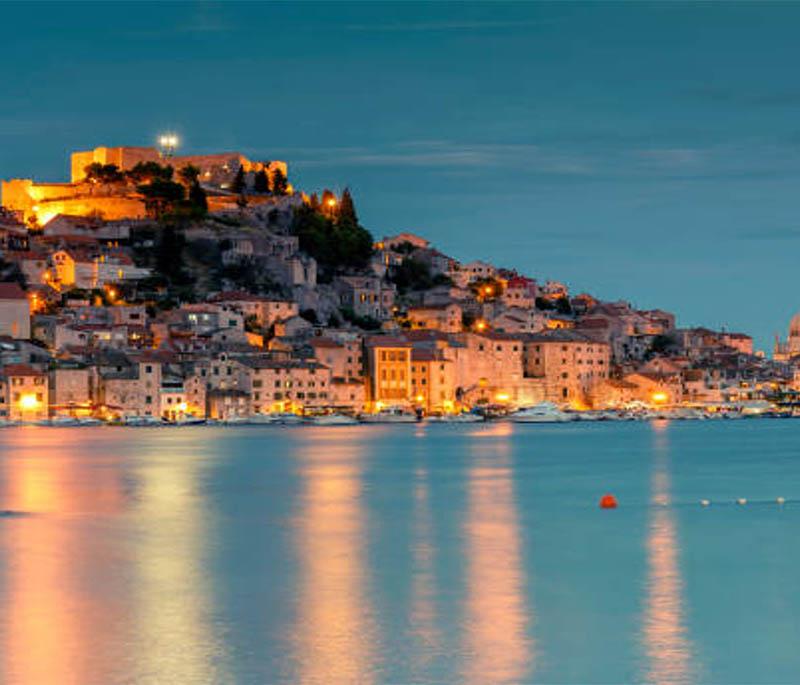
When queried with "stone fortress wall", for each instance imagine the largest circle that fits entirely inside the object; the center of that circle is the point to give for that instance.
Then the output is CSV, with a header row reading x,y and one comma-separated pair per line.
x,y
43,201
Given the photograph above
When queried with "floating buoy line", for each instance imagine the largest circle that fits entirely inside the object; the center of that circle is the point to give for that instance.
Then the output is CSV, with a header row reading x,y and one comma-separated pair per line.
x,y
742,501
608,501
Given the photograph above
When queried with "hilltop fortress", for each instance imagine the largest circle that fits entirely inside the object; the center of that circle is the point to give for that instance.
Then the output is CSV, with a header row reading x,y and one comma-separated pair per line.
x,y
39,202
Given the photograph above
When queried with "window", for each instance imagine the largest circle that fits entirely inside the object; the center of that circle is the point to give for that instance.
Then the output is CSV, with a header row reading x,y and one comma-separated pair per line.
x,y
148,399
257,383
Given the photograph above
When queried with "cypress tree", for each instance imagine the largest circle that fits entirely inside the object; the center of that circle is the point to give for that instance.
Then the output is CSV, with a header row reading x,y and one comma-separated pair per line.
x,y
238,185
280,184
347,210
198,199
261,182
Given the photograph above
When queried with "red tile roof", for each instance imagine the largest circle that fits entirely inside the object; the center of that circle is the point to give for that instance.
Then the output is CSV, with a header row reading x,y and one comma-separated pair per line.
x,y
21,370
11,291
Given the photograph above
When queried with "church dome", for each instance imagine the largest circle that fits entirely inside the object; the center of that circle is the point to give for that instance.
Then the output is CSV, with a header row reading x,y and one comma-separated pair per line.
x,y
794,326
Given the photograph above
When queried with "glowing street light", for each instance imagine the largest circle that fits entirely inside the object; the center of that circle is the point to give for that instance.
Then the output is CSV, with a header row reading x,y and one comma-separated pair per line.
x,y
28,402
168,142
659,397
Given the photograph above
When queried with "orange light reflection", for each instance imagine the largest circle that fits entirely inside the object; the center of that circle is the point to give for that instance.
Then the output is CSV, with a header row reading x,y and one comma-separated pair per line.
x,y
497,646
666,643
335,637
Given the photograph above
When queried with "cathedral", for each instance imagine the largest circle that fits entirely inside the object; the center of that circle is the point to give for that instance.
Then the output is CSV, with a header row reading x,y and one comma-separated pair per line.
x,y
791,348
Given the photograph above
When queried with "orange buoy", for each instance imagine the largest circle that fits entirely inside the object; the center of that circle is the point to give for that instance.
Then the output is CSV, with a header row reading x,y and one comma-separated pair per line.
x,y
608,502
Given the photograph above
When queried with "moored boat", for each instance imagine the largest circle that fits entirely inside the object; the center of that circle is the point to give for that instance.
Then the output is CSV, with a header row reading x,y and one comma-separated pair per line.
x,y
331,420
462,417
544,412
390,415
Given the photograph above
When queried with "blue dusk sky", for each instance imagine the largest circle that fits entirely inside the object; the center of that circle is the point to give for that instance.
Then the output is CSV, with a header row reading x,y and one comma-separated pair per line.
x,y
648,152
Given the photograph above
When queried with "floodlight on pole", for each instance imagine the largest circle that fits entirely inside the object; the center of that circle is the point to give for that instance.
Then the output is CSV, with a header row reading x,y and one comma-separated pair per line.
x,y
168,142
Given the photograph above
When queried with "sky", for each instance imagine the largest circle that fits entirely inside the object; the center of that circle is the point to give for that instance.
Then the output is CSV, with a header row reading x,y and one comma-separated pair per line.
x,y
640,151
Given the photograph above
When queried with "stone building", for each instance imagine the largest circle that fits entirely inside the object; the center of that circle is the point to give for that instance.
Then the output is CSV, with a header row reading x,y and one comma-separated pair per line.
x,y
15,312
570,364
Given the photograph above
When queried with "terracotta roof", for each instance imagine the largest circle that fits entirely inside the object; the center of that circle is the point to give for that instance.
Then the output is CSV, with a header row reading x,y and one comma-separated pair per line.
x,y
327,343
21,370
387,341
560,335
426,355
520,282
432,307
11,291
27,255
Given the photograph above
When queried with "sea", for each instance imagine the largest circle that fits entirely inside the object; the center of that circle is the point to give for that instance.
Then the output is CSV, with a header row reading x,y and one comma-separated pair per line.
x,y
401,554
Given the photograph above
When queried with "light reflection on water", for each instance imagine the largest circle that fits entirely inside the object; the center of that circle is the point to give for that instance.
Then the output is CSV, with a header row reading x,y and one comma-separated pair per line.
x,y
335,637
498,648
664,632
172,583
422,608
404,554
49,601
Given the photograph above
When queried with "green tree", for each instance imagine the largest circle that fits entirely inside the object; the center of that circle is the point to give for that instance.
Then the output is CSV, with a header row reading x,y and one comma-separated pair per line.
x,y
544,304
412,274
336,247
309,315
347,210
189,175
239,185
280,184
198,201
161,197
169,255
563,306
147,172
261,182
103,173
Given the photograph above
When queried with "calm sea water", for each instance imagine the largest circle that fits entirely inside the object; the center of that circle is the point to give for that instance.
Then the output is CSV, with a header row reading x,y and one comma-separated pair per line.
x,y
401,554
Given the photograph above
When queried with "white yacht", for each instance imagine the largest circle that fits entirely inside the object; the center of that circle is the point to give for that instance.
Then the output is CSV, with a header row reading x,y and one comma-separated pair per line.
x,y
389,415
331,420
286,418
462,417
235,420
544,412
63,421
142,421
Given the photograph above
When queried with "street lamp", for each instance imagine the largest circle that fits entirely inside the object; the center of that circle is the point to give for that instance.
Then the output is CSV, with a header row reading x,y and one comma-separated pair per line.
x,y
168,142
